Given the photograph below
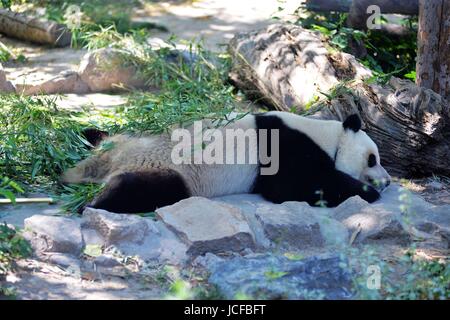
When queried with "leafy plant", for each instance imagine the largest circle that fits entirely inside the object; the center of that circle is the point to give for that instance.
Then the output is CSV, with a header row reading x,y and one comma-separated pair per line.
x,y
12,246
37,141
8,188
385,56
75,197
424,279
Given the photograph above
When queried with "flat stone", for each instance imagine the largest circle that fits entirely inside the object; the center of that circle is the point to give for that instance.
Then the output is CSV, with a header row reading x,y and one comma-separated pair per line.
x,y
291,225
350,206
277,277
55,234
208,226
92,237
160,245
65,82
61,259
376,224
107,261
115,228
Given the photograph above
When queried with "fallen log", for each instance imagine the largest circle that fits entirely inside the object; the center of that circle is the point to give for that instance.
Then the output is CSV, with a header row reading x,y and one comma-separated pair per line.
x,y
407,7
290,68
20,26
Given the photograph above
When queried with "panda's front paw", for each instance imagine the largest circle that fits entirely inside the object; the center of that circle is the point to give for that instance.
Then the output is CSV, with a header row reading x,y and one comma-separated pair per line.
x,y
369,194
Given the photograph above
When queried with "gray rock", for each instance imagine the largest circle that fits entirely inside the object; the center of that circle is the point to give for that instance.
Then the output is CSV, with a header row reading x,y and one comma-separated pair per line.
x,y
348,207
275,277
106,69
435,185
65,82
5,85
115,228
55,234
208,226
107,261
376,224
93,237
160,245
291,225
62,260
295,229
248,204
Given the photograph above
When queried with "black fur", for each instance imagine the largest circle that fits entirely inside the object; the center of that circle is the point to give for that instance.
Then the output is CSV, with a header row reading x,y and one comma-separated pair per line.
x,y
306,172
94,136
139,192
352,122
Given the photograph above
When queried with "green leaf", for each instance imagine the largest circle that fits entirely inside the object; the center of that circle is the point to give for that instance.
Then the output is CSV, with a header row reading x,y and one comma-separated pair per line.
x,y
293,256
93,250
272,274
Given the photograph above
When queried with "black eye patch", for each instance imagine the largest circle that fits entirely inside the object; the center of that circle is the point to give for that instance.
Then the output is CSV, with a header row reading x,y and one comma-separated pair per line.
x,y
372,160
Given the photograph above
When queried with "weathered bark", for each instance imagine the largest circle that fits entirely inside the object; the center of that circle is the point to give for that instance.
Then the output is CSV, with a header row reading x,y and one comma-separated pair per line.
x,y
433,61
33,29
288,67
407,7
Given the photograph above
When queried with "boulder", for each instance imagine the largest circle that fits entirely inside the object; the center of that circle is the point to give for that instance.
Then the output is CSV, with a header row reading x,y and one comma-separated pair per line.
x,y
277,277
55,234
208,226
297,225
291,225
115,228
5,85
160,245
107,69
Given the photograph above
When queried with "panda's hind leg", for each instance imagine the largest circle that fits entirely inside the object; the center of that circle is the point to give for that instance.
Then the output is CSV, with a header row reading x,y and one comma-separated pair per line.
x,y
139,192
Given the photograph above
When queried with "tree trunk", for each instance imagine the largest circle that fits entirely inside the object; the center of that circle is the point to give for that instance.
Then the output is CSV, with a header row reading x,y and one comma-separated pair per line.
x,y
407,7
32,29
433,60
289,68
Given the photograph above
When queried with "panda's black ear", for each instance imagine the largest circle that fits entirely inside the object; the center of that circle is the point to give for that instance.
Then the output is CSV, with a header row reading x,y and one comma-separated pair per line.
x,y
353,122
94,136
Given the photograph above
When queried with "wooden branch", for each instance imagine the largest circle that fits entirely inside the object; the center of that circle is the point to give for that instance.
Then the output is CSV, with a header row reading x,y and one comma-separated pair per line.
x,y
27,200
288,67
407,7
32,29
433,61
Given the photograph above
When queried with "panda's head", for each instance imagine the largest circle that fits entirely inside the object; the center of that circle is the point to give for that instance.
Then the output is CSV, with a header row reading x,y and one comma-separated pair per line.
x,y
357,155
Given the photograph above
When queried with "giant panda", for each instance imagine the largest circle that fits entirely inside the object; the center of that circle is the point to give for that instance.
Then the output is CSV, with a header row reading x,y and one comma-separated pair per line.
x,y
322,162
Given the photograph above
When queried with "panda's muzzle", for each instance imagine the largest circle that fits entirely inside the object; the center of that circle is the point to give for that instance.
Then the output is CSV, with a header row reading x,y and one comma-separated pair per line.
x,y
377,177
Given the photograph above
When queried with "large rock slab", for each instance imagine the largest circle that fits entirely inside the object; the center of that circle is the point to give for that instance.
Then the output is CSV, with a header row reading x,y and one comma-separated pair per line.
x,y
55,234
291,225
65,82
208,226
160,245
115,228
277,277
106,69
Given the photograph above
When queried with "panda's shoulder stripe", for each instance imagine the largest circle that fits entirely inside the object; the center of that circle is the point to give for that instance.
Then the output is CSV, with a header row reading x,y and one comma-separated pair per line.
x,y
302,163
